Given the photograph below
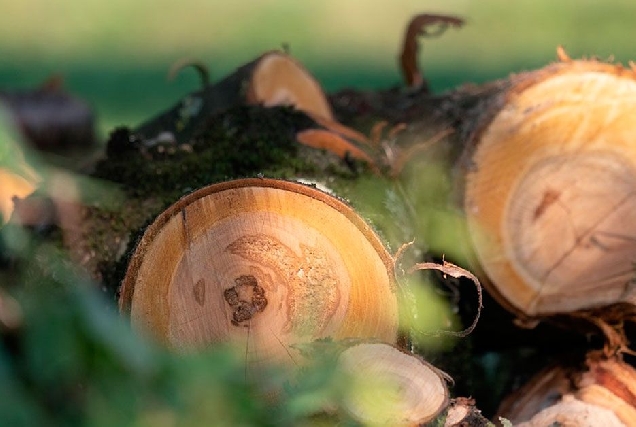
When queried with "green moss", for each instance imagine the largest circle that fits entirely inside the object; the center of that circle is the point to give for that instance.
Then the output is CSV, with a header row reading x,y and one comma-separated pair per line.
x,y
243,141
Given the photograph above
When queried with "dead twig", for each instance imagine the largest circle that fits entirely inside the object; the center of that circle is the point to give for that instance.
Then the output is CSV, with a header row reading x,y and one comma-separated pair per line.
x,y
200,67
416,28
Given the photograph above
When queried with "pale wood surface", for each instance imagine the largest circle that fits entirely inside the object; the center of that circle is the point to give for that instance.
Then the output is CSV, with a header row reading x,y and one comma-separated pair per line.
x,y
303,263
551,195
394,388
278,79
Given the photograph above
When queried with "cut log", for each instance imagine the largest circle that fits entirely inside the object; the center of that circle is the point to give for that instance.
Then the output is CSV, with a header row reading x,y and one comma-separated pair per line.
x,y
273,79
610,384
572,412
12,186
550,194
263,264
604,383
50,119
391,387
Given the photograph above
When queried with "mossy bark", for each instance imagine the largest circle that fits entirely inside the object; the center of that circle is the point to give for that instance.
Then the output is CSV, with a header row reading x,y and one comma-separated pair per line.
x,y
243,141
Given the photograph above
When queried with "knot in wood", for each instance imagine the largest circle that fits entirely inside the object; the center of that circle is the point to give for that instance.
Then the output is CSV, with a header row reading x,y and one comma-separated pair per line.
x,y
246,298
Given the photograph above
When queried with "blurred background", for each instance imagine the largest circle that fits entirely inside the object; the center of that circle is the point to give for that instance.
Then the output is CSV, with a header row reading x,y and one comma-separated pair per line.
x,y
116,53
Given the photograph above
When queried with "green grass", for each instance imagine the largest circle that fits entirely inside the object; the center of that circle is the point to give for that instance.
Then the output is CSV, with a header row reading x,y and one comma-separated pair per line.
x,y
116,53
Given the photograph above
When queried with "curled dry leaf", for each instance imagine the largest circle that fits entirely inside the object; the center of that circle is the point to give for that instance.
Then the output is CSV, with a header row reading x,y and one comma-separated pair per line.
x,y
456,272
418,27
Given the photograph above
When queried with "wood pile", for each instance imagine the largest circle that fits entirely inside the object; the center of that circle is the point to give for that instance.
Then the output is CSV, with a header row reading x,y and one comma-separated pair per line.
x,y
541,173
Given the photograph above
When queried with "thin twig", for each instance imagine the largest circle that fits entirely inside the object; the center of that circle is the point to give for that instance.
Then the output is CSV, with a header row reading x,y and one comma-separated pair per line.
x,y
456,272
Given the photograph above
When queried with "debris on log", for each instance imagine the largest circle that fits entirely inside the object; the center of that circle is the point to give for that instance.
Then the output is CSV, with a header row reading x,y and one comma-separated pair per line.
x,y
573,412
391,387
264,264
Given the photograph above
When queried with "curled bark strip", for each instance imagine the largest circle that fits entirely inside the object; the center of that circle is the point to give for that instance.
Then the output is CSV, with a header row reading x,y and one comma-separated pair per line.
x,y
456,272
418,27
563,55
339,128
331,141
199,66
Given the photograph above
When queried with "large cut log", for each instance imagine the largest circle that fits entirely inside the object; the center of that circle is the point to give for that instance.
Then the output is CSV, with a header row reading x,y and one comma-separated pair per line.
x,y
264,264
549,190
274,78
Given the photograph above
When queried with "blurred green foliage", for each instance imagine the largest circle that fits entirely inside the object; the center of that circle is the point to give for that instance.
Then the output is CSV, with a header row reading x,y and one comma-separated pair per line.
x,y
72,360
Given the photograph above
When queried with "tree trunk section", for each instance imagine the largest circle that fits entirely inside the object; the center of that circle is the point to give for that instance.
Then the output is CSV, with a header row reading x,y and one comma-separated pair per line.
x,y
548,191
264,264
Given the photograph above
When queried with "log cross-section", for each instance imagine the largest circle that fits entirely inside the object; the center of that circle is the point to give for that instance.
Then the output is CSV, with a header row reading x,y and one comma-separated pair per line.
x,y
264,264
550,196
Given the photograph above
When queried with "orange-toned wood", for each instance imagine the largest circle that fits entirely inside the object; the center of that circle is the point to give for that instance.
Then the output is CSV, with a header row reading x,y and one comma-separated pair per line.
x,y
263,264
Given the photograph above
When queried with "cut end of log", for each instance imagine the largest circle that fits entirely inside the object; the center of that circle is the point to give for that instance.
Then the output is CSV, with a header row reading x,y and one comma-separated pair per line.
x,y
280,80
410,46
551,201
604,390
327,140
263,264
391,387
12,186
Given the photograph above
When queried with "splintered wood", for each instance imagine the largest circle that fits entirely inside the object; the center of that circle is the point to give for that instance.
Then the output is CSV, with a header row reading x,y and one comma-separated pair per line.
x,y
262,264
549,195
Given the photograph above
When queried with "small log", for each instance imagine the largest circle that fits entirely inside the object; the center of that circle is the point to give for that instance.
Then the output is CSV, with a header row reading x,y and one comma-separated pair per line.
x,y
549,189
264,264
273,79
391,387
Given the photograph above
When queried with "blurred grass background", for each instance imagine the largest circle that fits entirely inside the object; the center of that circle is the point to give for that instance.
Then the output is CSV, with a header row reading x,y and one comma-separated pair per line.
x,y
116,53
